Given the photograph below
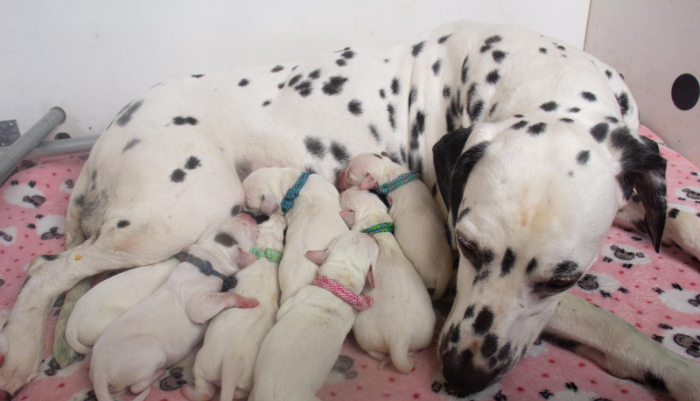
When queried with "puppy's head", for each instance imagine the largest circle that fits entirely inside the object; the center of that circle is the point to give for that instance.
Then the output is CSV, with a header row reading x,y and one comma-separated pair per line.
x,y
358,204
263,191
350,256
225,243
367,170
528,210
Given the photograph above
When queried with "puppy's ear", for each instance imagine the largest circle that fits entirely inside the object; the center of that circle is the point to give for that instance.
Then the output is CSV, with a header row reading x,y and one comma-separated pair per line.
x,y
317,257
269,205
348,218
245,259
370,277
369,182
389,201
644,170
445,154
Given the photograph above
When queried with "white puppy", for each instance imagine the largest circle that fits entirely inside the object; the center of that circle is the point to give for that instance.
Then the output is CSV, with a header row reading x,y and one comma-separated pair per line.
x,y
420,227
233,337
300,350
166,326
312,223
401,320
110,299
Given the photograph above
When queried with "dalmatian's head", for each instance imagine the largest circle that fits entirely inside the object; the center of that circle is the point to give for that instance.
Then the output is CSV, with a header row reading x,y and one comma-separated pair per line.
x,y
366,170
528,209
225,243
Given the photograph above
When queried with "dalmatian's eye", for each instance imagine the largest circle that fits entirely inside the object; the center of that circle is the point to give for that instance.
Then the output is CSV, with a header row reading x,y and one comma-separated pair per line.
x,y
556,284
468,249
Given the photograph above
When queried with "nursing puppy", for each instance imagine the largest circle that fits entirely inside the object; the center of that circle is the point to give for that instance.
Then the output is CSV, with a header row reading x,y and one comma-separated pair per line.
x,y
300,350
401,318
166,326
420,228
312,223
233,337
110,299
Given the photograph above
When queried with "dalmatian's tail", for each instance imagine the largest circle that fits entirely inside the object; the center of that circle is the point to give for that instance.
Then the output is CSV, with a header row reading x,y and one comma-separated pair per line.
x,y
231,374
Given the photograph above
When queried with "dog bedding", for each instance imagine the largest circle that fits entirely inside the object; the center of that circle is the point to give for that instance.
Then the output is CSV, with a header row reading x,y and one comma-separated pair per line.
x,y
657,293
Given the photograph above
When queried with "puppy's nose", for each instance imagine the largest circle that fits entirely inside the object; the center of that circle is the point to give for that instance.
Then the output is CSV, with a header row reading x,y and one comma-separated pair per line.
x,y
460,372
247,218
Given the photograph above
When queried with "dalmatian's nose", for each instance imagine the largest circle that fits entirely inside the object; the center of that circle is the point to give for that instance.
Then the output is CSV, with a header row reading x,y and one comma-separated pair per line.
x,y
460,372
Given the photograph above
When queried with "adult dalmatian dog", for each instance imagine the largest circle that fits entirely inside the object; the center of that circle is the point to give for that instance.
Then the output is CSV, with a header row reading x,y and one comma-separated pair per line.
x,y
531,145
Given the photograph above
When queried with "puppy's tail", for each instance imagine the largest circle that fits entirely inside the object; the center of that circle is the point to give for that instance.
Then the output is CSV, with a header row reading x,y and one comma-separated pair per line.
x,y
231,374
71,337
101,387
400,357
142,395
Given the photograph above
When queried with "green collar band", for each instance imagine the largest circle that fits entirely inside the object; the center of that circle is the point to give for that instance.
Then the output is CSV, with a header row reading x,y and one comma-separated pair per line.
x,y
379,228
270,254
400,181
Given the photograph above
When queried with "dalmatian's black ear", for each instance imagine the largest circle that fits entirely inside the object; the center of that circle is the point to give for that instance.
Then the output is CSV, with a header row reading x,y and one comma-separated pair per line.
x,y
644,170
445,154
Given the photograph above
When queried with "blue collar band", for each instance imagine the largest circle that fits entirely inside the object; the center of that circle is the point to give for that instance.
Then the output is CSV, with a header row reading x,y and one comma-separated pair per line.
x,y
206,268
400,181
293,193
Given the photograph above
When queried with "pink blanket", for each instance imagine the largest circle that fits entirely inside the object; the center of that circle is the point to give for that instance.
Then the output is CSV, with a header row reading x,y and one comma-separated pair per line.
x,y
657,293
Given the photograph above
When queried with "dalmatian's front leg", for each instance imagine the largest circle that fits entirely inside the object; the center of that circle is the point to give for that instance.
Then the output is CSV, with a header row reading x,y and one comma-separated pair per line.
x,y
622,350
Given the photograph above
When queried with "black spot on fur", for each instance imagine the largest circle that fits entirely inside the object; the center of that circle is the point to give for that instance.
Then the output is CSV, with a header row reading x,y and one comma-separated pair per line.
x,y
184,120
436,67
416,49
395,86
463,213
508,262
465,70
294,80
566,267
623,102
485,48
536,129
531,266
600,131
197,75
475,111
673,213
93,180
341,62
460,174
612,119
348,54
315,74
235,210
339,152
493,108
453,334
243,82
412,94
355,107
192,163
493,39
374,132
504,353
315,146
608,74
390,110
484,321
574,110
589,96
566,120
417,129
225,239
126,115
443,39
49,257
266,103
178,175
519,124
304,88
402,150
277,68
334,85
446,92
382,93
131,144
583,156
489,346
469,313
559,341
498,56
549,106
493,77
123,223
543,50
655,381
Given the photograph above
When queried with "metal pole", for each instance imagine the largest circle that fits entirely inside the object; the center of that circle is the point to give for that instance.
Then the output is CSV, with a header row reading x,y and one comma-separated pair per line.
x,y
29,140
61,147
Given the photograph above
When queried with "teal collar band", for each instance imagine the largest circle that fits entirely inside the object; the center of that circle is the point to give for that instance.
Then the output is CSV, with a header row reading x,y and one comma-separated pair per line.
x,y
206,268
379,228
400,181
270,254
293,193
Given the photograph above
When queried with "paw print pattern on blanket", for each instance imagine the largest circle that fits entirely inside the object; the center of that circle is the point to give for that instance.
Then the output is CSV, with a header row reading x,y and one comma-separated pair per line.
x,y
669,317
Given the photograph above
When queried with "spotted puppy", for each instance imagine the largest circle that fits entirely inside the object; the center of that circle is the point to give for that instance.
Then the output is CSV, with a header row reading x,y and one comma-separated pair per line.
x,y
401,319
420,228
312,214
166,326
109,300
233,337
300,350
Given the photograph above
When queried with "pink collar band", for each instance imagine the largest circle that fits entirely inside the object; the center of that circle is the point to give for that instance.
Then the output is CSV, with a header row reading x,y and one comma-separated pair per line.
x,y
360,302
